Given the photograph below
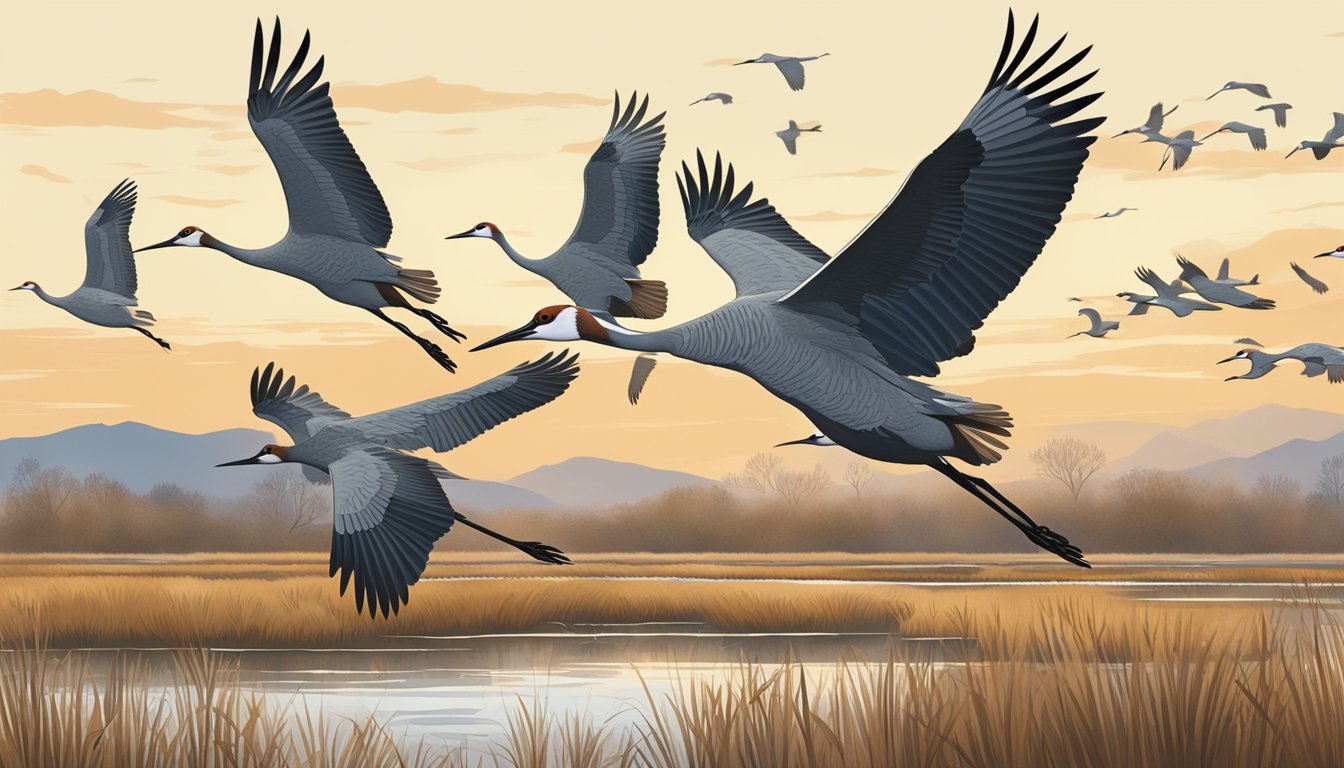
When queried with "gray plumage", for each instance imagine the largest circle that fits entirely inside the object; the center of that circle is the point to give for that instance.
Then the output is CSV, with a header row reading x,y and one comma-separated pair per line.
x,y
1316,359
790,135
338,222
1168,296
1333,139
1316,285
1232,85
723,98
1280,111
1225,276
1115,213
907,293
1247,340
1216,292
389,505
1255,135
598,267
1099,327
1178,149
791,67
1152,128
107,295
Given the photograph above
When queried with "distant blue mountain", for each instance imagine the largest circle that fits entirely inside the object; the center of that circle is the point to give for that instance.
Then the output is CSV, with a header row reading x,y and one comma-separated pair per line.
x,y
1298,459
585,481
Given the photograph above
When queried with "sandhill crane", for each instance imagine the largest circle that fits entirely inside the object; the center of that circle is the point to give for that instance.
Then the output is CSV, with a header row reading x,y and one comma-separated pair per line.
x,y
1168,296
389,506
790,135
598,267
1247,340
337,218
1280,111
1316,359
1256,135
107,295
839,343
1306,277
1116,212
1338,253
1232,85
1333,139
1216,292
1099,327
1151,129
791,67
1178,149
1225,277
723,98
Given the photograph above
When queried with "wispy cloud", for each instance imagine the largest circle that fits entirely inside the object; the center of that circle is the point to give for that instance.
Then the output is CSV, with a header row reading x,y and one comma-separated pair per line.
x,y
859,172
582,147
1312,207
721,62
44,173
829,216
48,107
456,163
198,202
427,94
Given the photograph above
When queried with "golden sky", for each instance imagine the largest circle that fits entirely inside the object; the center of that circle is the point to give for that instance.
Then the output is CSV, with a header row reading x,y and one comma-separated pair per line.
x,y
487,112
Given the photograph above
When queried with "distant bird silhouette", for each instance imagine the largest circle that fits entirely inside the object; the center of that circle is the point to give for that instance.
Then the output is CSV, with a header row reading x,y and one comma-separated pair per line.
x,y
1316,359
1099,327
791,67
715,96
1168,296
1331,140
1232,85
1280,111
1338,253
1316,285
1151,129
1247,340
1178,149
1216,292
1226,279
1074,298
790,136
1115,213
107,294
1256,135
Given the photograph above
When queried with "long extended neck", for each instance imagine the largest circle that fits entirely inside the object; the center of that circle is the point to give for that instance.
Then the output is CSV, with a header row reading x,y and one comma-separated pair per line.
x,y
513,254
255,257
638,341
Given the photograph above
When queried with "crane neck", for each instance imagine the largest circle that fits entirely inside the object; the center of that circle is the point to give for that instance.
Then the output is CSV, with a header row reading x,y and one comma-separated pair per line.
x,y
251,256
614,334
512,253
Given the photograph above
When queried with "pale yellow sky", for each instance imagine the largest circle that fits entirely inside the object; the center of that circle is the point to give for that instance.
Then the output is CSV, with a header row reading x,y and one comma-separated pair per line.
x,y
486,113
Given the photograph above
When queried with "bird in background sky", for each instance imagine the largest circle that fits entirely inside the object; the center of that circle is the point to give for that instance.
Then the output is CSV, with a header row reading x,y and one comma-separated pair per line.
x,y
1256,135
389,507
1116,212
1152,129
1316,359
840,343
1233,85
1216,292
1280,111
790,135
1247,340
107,295
722,98
791,67
1168,296
338,221
598,267
1178,149
1099,327
1338,253
1333,139
1225,277
1315,284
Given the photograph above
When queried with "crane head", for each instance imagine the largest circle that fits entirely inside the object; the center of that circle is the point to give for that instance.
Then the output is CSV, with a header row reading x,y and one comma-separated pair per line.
x,y
1301,145
816,438
484,229
192,237
269,454
28,285
1229,86
1338,253
561,322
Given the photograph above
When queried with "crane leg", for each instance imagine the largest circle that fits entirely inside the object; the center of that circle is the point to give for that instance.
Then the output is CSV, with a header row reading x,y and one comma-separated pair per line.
x,y
543,552
430,347
1039,535
439,323
156,339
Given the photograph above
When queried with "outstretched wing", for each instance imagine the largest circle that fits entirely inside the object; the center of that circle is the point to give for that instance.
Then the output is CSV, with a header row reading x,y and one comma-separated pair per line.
x,y
1316,285
619,219
1156,283
327,188
1091,314
1189,269
751,241
793,73
1225,269
639,375
107,243
969,221
443,423
1156,116
389,510
1336,131
296,409
1247,340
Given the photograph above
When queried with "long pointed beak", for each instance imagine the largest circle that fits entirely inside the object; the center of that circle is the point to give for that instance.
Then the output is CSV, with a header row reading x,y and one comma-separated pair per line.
x,y
20,288
1215,133
1228,360
1215,93
748,61
240,462
1290,154
1317,256
1232,378
804,441
468,233
164,244
518,334
1118,135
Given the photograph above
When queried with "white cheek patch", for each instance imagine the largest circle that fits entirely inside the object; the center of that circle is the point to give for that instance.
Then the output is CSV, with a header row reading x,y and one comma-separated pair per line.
x,y
268,458
193,239
565,327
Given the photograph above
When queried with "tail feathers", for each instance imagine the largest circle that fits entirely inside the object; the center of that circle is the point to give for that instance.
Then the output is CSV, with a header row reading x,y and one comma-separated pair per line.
x,y
419,283
976,433
1260,304
648,300
144,315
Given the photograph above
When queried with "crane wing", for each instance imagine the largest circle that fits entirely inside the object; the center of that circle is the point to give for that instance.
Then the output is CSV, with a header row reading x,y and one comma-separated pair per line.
x,y
969,221
793,73
1336,131
749,240
619,219
790,140
1315,284
107,243
639,375
327,188
1157,284
1190,270
389,511
443,423
295,409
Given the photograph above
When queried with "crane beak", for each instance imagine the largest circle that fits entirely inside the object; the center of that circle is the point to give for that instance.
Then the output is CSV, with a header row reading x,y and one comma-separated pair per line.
x,y
468,233
1317,256
1228,360
804,441
517,334
1232,378
1215,93
20,288
164,244
240,462
1290,154
1215,133
748,61
1122,133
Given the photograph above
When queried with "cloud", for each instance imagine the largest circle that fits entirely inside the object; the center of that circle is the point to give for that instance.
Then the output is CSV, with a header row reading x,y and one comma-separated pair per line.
x,y
861,172
721,62
43,173
230,170
582,147
829,216
457,163
1334,34
427,94
1312,207
48,107
198,202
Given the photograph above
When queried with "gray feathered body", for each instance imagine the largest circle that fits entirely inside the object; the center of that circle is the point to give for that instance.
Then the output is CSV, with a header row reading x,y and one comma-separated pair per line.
x,y
584,274
100,307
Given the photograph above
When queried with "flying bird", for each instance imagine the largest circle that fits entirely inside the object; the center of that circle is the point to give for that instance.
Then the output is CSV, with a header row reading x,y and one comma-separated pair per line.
x,y
791,67
1331,140
1168,296
1074,298
840,342
1280,111
1152,129
1115,213
1224,275
1178,149
1099,327
389,506
1316,359
1216,292
1247,340
723,98
107,295
1316,285
1232,85
1256,135
598,267
790,135
1338,253
338,221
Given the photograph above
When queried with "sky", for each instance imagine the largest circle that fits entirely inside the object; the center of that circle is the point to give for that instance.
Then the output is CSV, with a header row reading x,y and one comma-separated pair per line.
x,y
488,112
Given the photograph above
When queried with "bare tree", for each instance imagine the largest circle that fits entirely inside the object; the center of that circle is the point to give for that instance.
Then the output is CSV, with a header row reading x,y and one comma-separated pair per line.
x,y
41,489
796,485
760,473
288,498
857,476
1069,460
1275,489
1330,483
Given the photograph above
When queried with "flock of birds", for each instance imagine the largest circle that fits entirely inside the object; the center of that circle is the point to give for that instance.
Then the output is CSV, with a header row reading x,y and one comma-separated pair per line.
x,y
791,67
837,336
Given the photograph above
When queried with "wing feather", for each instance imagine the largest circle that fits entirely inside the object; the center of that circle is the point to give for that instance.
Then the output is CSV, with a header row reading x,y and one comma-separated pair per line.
x,y
295,409
107,243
